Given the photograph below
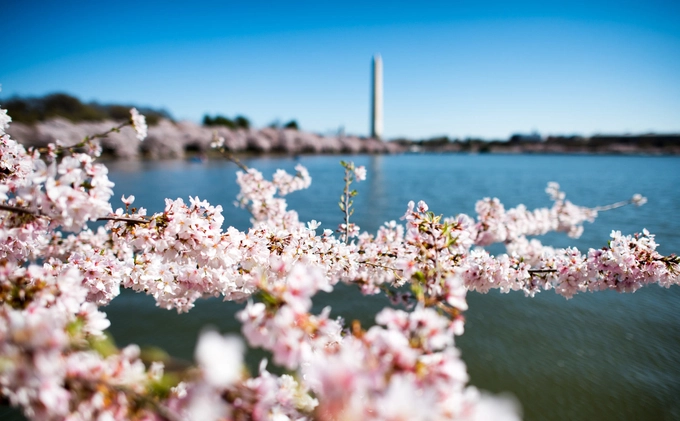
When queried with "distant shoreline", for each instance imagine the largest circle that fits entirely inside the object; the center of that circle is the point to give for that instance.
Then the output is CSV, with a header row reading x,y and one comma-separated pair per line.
x,y
597,145
181,140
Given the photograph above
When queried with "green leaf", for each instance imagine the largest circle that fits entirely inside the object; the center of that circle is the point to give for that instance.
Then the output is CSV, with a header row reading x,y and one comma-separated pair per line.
x,y
75,328
447,230
103,345
162,387
417,290
269,300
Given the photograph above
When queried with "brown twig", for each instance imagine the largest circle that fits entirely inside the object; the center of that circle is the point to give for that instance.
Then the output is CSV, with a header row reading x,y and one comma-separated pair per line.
x,y
614,205
233,159
124,219
346,204
17,209
379,266
87,139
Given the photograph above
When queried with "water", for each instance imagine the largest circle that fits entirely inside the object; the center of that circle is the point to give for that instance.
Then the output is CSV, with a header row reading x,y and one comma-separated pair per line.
x,y
603,356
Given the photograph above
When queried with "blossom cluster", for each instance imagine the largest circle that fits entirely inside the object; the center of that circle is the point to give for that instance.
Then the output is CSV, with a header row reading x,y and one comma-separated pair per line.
x,y
56,274
138,122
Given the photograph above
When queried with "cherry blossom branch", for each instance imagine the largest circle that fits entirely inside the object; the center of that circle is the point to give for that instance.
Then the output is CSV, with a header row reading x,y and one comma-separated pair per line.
x,y
380,266
348,230
345,202
86,140
103,134
184,254
231,157
637,200
137,121
17,209
218,143
124,219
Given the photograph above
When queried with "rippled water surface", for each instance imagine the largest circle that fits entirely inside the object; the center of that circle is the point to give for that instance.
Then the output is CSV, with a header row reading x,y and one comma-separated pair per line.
x,y
603,356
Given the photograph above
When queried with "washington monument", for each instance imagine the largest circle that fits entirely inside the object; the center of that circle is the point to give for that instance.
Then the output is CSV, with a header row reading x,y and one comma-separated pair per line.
x,y
377,99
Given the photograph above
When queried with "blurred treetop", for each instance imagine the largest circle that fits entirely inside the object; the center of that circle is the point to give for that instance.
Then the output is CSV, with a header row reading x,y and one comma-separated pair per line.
x,y
31,110
239,122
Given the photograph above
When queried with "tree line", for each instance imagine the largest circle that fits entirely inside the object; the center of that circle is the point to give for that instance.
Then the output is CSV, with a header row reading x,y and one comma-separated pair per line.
x,y
31,110
241,122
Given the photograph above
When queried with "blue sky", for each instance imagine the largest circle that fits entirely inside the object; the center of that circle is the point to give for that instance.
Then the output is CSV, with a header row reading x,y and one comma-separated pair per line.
x,y
456,68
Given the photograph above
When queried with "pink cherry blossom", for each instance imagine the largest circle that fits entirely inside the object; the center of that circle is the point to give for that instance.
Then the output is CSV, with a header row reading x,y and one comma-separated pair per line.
x,y
56,362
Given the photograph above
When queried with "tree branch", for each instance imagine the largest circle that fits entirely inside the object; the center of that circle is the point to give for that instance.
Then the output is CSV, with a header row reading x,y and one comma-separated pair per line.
x,y
17,209
233,159
124,219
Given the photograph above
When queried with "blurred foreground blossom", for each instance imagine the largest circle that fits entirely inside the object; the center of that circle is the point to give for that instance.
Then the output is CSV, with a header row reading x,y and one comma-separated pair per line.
x,y
4,119
638,200
138,123
360,173
217,141
220,357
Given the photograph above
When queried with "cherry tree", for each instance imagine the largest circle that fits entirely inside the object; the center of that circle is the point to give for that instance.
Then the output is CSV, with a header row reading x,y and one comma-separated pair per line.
x,y
57,275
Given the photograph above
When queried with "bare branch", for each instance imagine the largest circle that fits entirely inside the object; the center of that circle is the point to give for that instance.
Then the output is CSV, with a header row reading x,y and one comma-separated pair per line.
x,y
233,159
379,266
124,219
17,209
87,139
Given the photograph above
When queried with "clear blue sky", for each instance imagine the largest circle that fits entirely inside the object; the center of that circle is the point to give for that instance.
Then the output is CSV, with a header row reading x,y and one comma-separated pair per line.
x,y
457,68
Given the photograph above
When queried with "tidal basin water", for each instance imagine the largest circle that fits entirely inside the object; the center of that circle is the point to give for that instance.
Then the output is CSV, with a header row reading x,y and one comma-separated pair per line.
x,y
602,356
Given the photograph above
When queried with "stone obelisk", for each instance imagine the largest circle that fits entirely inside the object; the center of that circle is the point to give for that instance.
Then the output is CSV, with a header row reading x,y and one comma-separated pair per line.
x,y
377,99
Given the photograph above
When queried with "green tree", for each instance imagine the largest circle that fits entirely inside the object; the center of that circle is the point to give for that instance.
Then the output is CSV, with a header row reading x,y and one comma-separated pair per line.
x,y
33,109
218,120
242,122
292,125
